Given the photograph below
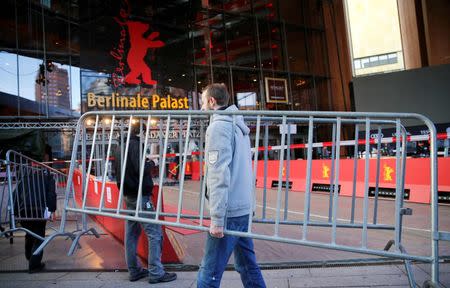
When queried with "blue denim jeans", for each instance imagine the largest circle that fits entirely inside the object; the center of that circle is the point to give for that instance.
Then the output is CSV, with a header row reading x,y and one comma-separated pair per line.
x,y
218,251
154,236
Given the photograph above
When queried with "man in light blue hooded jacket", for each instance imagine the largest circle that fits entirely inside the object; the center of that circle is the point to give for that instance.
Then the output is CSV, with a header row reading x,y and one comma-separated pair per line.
x,y
229,184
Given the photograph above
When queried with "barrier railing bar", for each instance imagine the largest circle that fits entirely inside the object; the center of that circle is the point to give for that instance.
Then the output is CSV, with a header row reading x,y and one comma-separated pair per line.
x,y
398,193
202,179
288,172
280,177
123,162
377,176
336,180
266,237
333,154
402,177
308,179
266,156
104,168
10,191
163,165
355,173
255,169
142,157
90,162
83,168
366,185
200,160
183,168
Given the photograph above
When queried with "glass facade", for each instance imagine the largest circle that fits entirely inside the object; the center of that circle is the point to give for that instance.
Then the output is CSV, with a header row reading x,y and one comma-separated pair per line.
x,y
63,58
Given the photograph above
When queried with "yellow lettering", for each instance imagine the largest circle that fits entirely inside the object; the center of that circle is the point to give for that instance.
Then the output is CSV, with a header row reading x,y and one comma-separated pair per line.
x,y
91,100
101,101
180,104
145,103
173,104
186,103
108,100
155,100
133,102
123,102
139,100
163,103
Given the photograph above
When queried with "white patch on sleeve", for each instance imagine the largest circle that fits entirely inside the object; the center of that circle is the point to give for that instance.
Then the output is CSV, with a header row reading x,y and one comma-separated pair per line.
x,y
213,156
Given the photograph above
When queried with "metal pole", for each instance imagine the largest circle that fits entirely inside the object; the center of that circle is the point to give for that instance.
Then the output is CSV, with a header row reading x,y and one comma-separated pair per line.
x,y
308,177
105,167
377,177
183,168
280,177
163,166
288,170
333,153
366,184
397,186
266,156
255,172
355,173
124,164
336,179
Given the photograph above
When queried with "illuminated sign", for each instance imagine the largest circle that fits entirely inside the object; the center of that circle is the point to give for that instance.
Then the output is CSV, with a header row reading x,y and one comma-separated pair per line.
x,y
139,71
118,102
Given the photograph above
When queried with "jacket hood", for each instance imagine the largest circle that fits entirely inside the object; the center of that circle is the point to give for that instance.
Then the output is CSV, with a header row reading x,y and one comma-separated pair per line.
x,y
229,118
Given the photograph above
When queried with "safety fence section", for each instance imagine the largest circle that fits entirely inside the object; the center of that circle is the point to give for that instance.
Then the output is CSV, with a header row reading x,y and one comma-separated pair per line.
x,y
4,205
106,136
33,191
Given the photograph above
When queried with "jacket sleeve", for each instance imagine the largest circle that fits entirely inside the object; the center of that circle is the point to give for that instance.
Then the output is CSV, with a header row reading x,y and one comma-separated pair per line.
x,y
50,192
219,155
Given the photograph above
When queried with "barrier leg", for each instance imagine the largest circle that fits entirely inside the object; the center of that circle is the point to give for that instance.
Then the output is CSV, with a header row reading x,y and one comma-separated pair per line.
x,y
50,238
408,267
77,239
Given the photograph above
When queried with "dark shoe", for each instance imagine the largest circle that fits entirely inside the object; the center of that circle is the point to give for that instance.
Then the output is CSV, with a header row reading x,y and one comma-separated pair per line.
x,y
138,276
167,277
36,269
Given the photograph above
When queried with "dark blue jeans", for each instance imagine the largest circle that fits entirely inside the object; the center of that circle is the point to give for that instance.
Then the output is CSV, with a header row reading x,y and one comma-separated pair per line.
x,y
218,251
154,236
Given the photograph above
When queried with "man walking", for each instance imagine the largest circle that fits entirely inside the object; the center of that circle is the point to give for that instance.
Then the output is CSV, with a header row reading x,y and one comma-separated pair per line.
x,y
155,270
229,184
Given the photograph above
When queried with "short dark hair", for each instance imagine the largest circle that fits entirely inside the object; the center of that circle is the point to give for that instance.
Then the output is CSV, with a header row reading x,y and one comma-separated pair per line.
x,y
219,92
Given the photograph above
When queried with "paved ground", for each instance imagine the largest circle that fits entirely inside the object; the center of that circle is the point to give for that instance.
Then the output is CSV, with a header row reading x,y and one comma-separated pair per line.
x,y
362,276
93,265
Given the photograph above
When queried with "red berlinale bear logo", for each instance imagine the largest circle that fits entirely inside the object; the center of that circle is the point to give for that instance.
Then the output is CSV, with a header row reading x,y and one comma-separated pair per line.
x,y
139,46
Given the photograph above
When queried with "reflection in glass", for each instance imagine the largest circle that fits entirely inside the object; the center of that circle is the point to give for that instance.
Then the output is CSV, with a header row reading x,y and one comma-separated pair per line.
x,y
246,100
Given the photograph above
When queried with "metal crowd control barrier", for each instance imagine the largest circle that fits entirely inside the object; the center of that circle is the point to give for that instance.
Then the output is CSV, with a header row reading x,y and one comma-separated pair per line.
x,y
26,182
4,205
104,128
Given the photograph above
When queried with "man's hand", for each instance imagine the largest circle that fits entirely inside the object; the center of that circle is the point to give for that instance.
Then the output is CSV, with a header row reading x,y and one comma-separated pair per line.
x,y
216,231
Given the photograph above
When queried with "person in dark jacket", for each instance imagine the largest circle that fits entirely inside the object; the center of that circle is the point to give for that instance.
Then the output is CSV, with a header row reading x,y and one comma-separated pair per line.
x,y
155,269
36,205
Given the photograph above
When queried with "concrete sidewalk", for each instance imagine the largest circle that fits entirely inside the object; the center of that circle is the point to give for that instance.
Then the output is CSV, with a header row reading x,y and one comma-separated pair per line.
x,y
359,276
284,265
